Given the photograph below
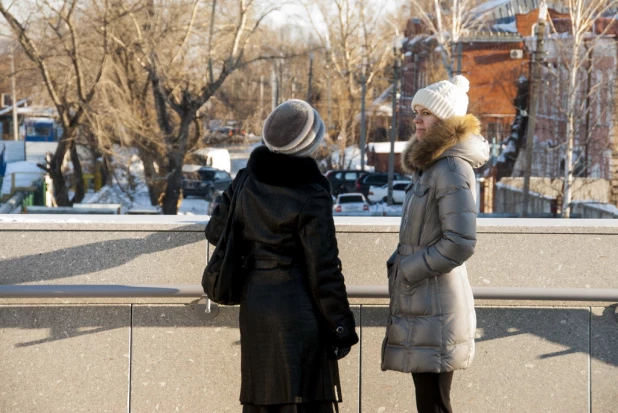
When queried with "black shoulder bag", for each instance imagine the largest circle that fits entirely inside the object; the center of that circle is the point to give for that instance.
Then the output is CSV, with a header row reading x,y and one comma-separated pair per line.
x,y
225,274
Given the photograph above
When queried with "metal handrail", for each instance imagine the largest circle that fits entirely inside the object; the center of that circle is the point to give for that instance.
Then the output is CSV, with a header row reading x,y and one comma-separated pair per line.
x,y
354,291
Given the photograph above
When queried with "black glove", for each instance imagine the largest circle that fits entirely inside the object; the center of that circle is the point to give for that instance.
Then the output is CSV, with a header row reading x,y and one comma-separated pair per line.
x,y
341,352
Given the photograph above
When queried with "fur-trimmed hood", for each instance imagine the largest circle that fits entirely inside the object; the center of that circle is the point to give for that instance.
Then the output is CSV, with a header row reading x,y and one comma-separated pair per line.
x,y
284,170
457,136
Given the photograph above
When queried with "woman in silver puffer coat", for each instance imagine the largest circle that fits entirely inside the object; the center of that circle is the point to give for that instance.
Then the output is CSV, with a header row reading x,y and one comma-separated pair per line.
x,y
431,325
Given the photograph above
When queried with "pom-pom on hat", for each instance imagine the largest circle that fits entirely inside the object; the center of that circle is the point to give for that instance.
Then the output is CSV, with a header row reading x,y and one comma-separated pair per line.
x,y
445,98
293,128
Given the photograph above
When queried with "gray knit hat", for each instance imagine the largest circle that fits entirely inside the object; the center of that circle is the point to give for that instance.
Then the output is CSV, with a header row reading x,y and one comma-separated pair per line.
x,y
293,128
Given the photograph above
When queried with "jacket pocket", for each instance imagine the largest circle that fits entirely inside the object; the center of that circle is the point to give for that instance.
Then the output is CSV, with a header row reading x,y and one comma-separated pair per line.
x,y
421,189
414,299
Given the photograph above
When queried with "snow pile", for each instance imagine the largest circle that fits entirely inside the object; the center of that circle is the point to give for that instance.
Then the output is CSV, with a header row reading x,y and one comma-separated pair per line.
x,y
385,209
193,206
129,188
129,185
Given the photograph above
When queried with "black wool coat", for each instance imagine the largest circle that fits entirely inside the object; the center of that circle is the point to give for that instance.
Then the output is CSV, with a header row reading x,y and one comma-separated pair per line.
x,y
294,306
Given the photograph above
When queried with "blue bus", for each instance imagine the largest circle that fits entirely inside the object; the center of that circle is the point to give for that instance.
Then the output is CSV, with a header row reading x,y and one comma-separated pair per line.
x,y
41,130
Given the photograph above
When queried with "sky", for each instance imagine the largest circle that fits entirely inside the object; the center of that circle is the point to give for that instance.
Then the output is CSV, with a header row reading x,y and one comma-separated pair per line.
x,y
294,11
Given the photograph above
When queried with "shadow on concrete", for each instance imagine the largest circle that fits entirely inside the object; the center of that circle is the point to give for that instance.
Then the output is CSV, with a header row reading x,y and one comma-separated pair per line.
x,y
577,330
61,322
93,257
66,322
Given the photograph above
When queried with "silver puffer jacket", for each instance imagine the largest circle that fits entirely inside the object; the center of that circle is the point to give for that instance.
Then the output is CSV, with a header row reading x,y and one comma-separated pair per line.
x,y
432,322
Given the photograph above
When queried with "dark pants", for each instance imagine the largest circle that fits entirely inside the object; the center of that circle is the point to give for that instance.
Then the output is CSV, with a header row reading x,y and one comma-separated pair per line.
x,y
433,392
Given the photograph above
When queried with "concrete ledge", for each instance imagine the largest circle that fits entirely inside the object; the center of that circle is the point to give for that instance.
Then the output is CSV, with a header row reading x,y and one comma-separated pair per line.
x,y
553,357
343,224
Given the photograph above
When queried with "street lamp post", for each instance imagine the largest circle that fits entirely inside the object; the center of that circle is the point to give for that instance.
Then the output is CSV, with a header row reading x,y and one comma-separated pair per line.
x,y
275,83
363,93
310,78
535,80
274,86
14,96
391,155
328,96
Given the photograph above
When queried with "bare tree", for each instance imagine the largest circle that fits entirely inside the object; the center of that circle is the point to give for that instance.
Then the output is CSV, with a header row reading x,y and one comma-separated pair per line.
x,y
124,113
70,61
582,14
357,38
188,49
449,21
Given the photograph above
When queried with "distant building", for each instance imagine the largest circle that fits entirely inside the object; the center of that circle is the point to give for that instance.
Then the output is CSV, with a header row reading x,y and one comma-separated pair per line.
x,y
493,60
35,123
378,155
593,118
39,129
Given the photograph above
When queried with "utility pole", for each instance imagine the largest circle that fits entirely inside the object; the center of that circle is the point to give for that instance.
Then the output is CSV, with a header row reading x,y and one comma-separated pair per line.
x,y
310,76
535,81
274,86
328,98
391,155
588,83
363,93
14,95
261,97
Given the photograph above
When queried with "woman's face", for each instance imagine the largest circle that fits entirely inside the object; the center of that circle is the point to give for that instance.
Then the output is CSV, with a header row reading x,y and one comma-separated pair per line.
x,y
423,119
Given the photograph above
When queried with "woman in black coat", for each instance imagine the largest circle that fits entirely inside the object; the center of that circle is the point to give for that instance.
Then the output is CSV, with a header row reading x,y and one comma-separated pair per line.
x,y
295,319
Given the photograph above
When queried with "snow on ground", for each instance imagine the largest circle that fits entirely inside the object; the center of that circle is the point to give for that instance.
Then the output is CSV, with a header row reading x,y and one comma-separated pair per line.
x,y
129,188
26,172
385,208
193,206
375,210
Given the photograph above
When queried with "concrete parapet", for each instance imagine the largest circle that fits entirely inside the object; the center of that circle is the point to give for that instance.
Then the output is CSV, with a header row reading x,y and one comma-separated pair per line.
x,y
153,354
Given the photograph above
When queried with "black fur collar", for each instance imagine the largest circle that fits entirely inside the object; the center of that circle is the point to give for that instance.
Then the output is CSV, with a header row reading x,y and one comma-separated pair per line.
x,y
284,170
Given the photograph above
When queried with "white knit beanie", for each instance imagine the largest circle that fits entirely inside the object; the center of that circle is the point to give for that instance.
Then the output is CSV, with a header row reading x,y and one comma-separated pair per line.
x,y
445,98
293,128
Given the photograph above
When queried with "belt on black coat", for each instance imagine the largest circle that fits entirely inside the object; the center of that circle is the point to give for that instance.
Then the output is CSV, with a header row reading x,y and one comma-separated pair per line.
x,y
272,262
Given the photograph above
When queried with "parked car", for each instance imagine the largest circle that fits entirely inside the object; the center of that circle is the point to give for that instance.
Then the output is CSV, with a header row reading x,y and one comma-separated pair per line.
x,y
380,193
203,181
353,202
344,180
375,179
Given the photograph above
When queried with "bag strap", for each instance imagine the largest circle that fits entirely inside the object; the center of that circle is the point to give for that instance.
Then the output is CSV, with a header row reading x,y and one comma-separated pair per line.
x,y
232,211
230,215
